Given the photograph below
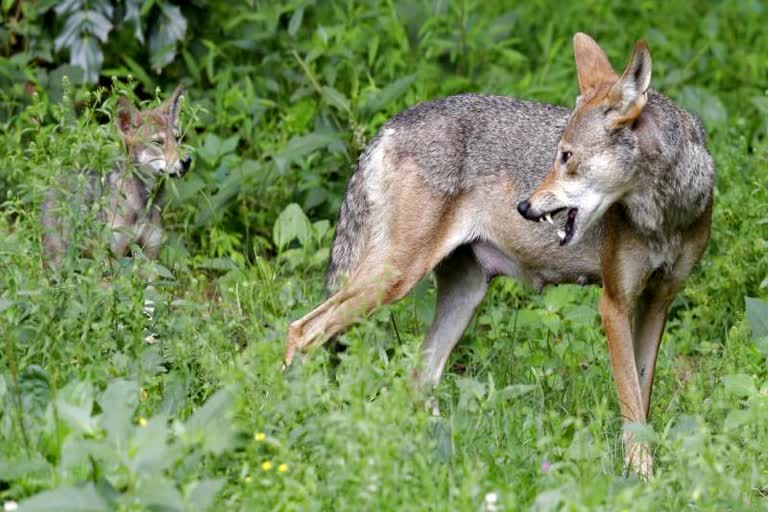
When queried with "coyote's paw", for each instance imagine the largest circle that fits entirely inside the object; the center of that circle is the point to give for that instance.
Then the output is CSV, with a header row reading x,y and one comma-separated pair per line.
x,y
638,459
292,343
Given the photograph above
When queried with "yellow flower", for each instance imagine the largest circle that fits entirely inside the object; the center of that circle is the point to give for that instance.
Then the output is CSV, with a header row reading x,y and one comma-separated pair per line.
x,y
266,465
143,394
143,422
259,436
282,468
248,479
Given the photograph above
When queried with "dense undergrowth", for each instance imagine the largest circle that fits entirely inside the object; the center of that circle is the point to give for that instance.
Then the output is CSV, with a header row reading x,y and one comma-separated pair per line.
x,y
281,97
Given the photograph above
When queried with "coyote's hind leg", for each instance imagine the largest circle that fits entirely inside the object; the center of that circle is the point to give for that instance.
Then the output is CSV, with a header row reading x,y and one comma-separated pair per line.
x,y
461,286
375,283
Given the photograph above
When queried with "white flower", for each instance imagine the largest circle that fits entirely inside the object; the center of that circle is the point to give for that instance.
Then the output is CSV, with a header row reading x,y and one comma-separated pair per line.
x,y
491,502
10,506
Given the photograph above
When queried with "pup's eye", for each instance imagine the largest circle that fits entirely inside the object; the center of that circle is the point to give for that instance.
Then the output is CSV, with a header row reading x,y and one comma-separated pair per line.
x,y
565,156
158,140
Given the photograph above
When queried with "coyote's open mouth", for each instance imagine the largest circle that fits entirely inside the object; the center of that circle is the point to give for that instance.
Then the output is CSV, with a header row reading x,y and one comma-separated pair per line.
x,y
566,234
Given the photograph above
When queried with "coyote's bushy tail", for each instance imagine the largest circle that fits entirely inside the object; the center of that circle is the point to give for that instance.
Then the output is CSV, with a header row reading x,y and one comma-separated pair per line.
x,y
351,231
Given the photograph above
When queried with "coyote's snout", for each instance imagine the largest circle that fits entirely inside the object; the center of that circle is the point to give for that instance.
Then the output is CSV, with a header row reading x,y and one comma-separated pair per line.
x,y
623,185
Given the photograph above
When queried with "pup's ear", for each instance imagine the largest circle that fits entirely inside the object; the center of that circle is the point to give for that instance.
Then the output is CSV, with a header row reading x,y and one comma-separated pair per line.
x,y
171,105
127,115
629,94
592,66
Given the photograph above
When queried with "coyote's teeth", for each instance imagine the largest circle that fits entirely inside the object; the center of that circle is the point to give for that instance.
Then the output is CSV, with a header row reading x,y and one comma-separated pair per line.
x,y
561,234
549,218
541,219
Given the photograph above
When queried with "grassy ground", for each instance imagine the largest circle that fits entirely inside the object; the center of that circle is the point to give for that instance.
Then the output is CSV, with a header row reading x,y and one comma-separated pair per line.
x,y
94,417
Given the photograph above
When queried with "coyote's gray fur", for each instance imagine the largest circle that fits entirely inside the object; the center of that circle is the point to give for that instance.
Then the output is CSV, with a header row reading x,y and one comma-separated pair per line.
x,y
126,200
456,144
620,187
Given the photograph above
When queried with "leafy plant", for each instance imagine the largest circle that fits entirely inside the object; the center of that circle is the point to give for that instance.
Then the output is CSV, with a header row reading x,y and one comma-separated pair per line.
x,y
280,99
88,23
757,316
127,462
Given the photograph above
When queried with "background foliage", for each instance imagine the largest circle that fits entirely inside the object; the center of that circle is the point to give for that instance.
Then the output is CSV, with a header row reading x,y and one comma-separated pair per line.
x,y
281,97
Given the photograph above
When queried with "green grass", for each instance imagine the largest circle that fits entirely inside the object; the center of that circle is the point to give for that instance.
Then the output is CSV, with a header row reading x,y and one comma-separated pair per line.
x,y
528,406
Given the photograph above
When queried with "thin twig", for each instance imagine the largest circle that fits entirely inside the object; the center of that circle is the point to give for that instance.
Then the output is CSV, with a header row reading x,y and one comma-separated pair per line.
x,y
394,324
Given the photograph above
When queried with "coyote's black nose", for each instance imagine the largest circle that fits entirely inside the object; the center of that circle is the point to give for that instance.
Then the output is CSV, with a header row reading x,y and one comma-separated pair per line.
x,y
186,162
522,207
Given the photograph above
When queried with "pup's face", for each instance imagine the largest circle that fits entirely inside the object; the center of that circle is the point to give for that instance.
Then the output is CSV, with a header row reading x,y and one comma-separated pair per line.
x,y
152,136
596,156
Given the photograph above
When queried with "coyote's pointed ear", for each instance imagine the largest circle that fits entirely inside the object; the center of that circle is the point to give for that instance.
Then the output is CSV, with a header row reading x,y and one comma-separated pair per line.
x,y
171,105
629,94
592,66
127,114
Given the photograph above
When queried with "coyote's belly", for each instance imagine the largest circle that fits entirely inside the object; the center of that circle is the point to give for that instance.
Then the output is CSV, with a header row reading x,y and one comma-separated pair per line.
x,y
497,262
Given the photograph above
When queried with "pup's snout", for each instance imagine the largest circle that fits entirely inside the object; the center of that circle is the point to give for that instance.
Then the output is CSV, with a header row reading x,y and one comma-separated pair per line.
x,y
523,207
186,162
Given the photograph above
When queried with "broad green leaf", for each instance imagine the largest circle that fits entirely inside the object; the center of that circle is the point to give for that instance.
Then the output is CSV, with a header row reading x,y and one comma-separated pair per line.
x,y
162,271
151,452
202,493
77,417
26,467
739,384
295,23
335,98
704,102
292,224
159,493
80,452
737,418
582,447
642,432
174,394
379,100
133,16
118,403
77,392
98,25
214,147
229,144
548,500
515,390
72,30
757,316
321,227
34,388
168,31
212,410
212,423
66,499
300,146
86,53
66,6
762,345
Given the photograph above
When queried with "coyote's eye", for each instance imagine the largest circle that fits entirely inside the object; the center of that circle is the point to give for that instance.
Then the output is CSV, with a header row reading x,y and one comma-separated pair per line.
x,y
565,156
158,140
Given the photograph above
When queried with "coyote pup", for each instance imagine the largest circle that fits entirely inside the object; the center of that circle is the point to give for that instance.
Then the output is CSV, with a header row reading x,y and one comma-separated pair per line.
x,y
126,199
